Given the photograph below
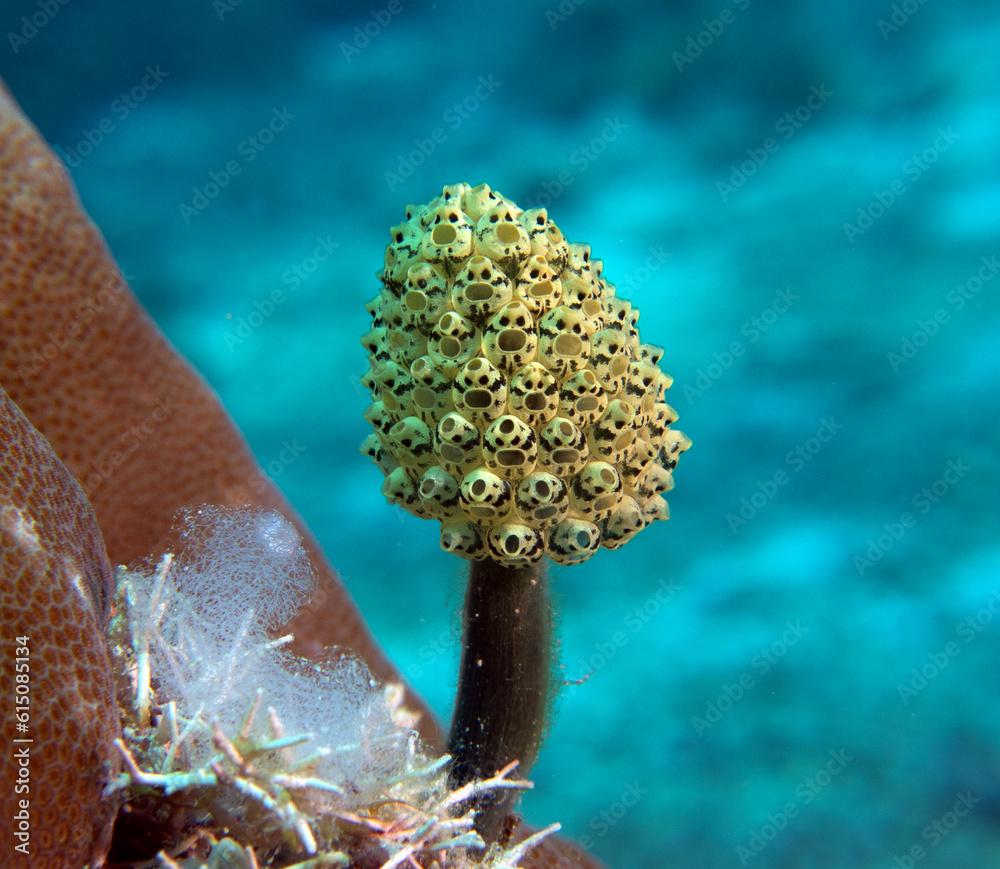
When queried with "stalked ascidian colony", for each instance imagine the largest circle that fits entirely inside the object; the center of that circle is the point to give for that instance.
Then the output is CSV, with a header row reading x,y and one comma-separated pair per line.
x,y
512,399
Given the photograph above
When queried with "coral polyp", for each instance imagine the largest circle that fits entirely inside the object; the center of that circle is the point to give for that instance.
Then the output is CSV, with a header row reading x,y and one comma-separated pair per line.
x,y
500,356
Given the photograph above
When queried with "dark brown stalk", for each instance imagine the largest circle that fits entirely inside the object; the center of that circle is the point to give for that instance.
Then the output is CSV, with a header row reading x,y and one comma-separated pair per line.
x,y
503,682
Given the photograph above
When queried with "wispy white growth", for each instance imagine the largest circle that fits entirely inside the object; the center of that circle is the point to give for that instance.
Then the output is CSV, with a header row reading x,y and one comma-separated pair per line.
x,y
258,751
203,621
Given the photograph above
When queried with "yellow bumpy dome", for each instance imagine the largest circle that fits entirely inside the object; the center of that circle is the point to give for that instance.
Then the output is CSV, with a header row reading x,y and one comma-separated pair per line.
x,y
512,398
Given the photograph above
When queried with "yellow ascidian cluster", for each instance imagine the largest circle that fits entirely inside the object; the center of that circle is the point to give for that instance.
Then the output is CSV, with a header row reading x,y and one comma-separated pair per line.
x,y
512,398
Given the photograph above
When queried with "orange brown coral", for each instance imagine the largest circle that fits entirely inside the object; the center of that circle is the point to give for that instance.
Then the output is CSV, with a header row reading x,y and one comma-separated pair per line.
x,y
130,418
56,590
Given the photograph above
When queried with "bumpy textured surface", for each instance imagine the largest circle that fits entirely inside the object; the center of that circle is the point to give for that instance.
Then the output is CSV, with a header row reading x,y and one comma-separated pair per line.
x,y
55,589
128,416
512,399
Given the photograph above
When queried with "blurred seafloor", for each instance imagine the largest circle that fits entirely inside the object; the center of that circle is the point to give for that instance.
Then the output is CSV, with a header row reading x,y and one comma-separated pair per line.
x,y
804,202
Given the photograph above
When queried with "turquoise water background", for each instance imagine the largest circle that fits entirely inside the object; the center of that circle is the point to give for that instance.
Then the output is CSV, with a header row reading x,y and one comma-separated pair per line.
x,y
799,669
